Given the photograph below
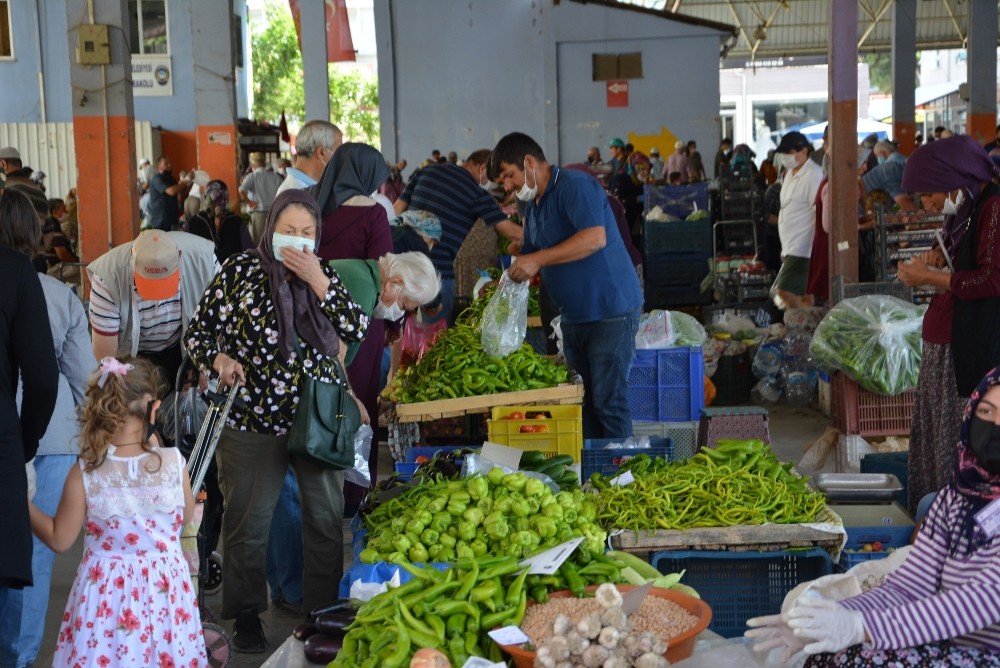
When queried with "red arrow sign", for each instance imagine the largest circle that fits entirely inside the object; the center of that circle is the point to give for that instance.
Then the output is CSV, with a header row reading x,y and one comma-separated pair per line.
x,y
618,93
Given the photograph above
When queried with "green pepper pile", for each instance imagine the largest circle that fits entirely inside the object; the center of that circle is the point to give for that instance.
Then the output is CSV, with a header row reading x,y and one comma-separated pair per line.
x,y
449,610
457,366
874,339
494,514
737,482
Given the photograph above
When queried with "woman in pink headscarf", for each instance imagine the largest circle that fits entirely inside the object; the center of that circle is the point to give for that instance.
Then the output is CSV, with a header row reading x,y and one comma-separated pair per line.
x,y
954,176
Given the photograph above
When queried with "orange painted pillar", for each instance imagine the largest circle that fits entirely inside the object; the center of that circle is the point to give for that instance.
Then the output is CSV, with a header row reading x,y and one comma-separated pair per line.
x,y
103,132
215,96
843,139
981,121
904,74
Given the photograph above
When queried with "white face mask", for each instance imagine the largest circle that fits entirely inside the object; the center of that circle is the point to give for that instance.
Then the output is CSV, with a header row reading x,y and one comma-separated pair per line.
x,y
950,207
526,194
393,311
279,241
789,161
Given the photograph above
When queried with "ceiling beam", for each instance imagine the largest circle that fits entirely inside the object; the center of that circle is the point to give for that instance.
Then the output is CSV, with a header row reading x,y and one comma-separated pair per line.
x,y
875,19
954,22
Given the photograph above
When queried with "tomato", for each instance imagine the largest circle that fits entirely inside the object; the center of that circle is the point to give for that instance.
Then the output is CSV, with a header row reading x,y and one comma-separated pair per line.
x,y
516,415
877,546
422,459
533,428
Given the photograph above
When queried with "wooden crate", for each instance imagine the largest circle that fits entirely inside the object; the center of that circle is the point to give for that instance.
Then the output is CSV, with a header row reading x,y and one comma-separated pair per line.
x,y
737,538
442,408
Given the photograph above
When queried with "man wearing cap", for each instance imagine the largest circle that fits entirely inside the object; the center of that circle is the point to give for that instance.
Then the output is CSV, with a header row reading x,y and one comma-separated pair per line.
x,y
144,293
616,147
164,194
655,164
258,190
796,220
677,162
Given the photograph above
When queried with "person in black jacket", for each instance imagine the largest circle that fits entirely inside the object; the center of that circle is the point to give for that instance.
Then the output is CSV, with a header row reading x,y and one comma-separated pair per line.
x,y
26,345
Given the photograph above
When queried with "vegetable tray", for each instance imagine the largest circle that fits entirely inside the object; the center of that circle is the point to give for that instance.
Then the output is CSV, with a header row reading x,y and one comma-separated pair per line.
x,y
738,538
442,408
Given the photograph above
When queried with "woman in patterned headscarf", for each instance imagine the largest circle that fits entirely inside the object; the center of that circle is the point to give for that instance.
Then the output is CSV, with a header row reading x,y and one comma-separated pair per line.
x,y
941,607
956,177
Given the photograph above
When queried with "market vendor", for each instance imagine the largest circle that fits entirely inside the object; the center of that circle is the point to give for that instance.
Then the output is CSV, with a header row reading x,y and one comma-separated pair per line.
x,y
572,239
941,607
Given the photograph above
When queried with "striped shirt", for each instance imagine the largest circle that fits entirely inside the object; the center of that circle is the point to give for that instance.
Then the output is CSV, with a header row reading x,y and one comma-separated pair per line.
x,y
934,596
159,321
452,194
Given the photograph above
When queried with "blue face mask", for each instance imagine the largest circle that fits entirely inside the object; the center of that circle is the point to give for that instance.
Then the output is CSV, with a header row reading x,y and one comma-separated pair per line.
x,y
881,160
279,241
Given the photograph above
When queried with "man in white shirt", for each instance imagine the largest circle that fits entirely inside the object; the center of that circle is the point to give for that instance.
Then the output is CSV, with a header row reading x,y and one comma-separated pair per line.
x,y
796,220
314,146
258,190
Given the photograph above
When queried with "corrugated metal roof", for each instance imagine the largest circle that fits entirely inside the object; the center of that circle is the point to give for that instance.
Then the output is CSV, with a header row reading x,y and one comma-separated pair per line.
x,y
776,28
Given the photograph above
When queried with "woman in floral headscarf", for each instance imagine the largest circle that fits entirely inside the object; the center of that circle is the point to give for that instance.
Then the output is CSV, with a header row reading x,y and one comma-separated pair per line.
x,y
956,177
941,607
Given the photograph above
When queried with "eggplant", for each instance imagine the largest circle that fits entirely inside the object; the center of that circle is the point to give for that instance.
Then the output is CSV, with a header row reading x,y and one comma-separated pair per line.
x,y
321,648
334,622
334,606
304,630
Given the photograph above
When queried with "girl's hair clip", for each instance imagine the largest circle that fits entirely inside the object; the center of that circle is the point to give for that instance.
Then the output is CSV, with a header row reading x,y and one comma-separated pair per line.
x,y
110,365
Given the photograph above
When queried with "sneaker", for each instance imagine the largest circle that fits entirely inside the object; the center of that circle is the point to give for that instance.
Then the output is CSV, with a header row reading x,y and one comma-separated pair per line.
x,y
248,633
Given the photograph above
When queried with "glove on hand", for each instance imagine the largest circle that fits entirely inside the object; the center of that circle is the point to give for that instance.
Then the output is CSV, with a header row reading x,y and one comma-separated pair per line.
x,y
832,626
772,633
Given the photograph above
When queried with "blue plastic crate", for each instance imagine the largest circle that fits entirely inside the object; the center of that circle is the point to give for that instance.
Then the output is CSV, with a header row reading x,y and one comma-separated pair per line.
x,y
608,461
406,469
678,201
663,270
685,236
886,523
741,585
667,385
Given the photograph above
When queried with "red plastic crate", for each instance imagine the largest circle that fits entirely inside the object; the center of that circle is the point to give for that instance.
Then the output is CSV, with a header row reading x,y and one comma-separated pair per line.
x,y
856,410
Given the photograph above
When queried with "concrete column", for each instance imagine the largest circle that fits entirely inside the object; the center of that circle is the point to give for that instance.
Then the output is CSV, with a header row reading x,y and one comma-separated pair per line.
x,y
982,64
904,73
214,93
103,131
843,224
314,58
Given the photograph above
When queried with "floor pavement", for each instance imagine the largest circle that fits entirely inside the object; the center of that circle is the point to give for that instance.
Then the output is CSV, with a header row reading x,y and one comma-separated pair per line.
x,y
791,429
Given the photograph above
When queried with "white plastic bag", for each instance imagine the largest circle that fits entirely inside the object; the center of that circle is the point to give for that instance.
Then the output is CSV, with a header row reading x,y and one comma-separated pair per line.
x,y
360,475
656,330
505,320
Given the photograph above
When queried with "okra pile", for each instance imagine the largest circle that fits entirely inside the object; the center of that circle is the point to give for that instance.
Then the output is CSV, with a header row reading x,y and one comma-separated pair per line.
x,y
502,514
736,482
450,610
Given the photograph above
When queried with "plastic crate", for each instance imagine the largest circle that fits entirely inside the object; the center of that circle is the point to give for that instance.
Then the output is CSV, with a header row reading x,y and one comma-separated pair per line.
x,y
850,450
823,391
675,269
670,297
741,585
885,523
431,451
733,380
667,385
763,313
563,433
683,435
678,201
839,290
607,461
856,410
685,236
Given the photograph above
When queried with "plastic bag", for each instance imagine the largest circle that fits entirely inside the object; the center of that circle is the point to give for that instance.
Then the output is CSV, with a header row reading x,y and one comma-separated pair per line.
x,y
505,320
360,475
875,340
656,330
687,330
418,337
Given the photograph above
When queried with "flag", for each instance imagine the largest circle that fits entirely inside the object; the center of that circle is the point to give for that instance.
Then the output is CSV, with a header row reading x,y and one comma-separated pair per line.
x,y
339,44
283,126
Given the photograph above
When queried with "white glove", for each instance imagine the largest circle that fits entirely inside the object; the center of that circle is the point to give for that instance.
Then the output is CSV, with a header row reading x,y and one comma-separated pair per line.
x,y
29,471
831,625
772,633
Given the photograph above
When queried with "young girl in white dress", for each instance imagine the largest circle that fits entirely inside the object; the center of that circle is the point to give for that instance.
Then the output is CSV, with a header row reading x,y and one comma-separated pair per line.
x,y
132,603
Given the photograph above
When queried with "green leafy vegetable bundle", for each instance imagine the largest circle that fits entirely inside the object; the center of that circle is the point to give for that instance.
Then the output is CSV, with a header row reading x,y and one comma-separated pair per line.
x,y
875,340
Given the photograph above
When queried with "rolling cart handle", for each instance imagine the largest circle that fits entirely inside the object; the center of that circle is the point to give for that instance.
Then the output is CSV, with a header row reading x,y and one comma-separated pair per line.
x,y
208,438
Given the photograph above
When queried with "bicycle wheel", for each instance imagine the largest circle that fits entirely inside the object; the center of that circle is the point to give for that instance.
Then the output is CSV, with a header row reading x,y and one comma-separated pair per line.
x,y
218,646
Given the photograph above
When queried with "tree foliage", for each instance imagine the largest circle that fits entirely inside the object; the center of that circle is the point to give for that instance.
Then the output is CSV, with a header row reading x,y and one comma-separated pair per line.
x,y
278,77
879,71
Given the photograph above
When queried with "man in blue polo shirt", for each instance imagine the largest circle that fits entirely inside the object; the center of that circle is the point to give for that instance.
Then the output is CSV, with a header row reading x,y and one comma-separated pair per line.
x,y
458,196
571,237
